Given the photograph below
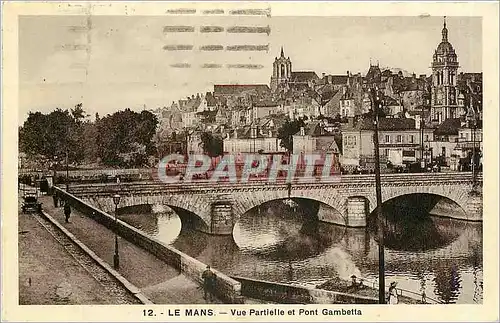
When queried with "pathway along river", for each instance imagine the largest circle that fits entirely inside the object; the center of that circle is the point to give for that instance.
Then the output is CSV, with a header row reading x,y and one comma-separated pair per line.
x,y
282,243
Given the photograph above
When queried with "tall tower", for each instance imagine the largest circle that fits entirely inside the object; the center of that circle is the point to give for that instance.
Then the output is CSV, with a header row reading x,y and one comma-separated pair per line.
x,y
444,81
282,71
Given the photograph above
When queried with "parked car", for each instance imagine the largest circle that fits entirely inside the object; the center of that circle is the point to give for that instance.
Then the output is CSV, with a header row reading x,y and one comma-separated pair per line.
x,y
31,204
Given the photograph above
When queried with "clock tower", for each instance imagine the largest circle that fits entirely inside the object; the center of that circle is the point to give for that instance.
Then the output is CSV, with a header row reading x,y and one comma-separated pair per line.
x,y
444,81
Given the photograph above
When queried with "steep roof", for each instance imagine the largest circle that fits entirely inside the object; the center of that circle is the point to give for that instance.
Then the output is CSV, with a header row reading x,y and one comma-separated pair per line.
x,y
315,129
191,105
265,103
335,79
211,101
385,124
373,74
449,127
304,76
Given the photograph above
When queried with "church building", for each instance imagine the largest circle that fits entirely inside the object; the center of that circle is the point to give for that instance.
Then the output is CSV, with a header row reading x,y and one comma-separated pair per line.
x,y
444,94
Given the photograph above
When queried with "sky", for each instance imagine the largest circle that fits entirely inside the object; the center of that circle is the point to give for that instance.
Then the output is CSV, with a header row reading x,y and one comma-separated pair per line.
x,y
110,63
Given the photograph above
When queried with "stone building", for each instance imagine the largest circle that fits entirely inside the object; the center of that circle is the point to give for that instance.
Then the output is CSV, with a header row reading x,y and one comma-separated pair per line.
x,y
444,99
400,142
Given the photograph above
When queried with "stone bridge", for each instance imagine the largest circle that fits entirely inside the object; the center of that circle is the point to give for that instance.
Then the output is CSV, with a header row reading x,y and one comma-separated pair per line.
x,y
215,207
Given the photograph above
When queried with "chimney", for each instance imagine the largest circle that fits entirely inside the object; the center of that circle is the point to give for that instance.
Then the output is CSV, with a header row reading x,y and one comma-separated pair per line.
x,y
350,122
302,131
235,134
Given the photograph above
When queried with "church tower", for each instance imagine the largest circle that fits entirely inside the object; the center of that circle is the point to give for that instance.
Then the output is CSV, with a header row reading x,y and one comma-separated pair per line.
x,y
282,71
444,81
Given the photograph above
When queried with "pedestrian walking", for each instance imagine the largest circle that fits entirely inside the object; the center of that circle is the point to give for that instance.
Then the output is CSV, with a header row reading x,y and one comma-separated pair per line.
x,y
67,211
54,198
209,278
392,298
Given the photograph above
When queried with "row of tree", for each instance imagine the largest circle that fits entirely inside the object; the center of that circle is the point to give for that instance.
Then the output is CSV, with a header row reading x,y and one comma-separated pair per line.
x,y
123,138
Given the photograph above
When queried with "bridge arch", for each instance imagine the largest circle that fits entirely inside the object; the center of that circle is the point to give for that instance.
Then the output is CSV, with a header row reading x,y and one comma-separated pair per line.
x,y
258,198
458,195
193,212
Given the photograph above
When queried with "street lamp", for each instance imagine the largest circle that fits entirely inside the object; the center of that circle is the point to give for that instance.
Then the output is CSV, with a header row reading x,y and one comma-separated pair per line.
x,y
67,170
116,257
377,105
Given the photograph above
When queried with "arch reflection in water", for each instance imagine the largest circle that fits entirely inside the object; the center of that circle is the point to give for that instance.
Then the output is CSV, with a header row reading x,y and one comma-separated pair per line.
x,y
409,226
285,230
446,264
159,222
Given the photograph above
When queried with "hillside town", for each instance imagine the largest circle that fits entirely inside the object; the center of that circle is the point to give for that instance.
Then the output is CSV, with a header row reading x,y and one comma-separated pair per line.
x,y
429,121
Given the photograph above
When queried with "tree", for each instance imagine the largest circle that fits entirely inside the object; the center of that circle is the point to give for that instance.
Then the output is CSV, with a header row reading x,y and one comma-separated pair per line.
x,y
47,135
287,130
212,145
126,132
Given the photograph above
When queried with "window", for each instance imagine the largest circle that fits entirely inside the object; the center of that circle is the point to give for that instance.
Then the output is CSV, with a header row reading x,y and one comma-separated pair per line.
x,y
351,140
443,151
411,138
386,152
399,138
387,138
426,138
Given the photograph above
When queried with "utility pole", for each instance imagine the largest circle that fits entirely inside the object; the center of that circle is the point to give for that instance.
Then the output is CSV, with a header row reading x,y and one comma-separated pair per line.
x,y
380,227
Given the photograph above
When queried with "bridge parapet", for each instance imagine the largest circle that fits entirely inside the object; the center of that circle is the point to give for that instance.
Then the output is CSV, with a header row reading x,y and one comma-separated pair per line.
x,y
219,206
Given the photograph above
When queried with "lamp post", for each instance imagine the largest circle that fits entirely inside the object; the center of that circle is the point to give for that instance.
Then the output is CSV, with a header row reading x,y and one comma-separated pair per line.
x,y
116,257
377,104
422,124
67,171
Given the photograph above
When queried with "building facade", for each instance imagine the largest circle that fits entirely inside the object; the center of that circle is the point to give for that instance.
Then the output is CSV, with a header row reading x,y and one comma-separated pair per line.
x,y
444,93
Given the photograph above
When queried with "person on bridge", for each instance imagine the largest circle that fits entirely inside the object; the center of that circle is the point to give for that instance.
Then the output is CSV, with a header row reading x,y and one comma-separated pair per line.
x,y
392,298
67,211
209,278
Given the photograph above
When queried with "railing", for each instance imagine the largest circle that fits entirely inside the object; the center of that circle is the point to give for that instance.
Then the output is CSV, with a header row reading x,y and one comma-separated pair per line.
x,y
202,185
404,292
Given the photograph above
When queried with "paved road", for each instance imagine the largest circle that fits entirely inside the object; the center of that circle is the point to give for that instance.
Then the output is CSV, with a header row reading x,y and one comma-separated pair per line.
x,y
51,273
161,283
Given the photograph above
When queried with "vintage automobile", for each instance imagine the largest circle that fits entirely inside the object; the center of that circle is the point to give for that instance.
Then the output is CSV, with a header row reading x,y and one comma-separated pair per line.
x,y
30,203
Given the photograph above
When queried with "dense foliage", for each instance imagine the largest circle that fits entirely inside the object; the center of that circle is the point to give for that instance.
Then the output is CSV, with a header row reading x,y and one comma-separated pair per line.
x,y
123,138
212,145
287,130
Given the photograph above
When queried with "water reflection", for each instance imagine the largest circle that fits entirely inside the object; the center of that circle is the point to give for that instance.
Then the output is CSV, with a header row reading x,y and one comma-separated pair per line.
x,y
441,257
289,234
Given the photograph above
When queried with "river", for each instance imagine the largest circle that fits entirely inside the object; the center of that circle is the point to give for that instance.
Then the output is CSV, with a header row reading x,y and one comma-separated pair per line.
x,y
423,253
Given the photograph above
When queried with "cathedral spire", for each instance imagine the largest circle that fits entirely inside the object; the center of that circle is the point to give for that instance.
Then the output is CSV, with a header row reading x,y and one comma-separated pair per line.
x,y
445,31
282,53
